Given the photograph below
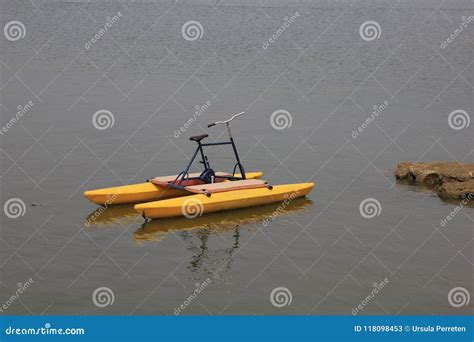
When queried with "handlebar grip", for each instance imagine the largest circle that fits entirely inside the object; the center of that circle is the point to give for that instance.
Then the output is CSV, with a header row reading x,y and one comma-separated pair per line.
x,y
210,125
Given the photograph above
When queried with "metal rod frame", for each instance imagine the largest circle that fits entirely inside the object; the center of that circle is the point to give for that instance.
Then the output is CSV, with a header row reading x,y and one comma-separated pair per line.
x,y
184,175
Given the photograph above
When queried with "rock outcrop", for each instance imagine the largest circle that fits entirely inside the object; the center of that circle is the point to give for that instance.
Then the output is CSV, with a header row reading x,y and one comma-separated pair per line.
x,y
458,190
449,179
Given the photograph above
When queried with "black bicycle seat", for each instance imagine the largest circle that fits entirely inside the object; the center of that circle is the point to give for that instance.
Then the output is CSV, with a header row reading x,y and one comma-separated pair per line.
x,y
198,138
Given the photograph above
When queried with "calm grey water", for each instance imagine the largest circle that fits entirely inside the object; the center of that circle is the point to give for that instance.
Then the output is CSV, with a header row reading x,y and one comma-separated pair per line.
x,y
319,70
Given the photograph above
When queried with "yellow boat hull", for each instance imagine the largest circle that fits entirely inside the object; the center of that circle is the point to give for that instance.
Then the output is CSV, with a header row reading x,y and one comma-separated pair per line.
x,y
142,192
196,205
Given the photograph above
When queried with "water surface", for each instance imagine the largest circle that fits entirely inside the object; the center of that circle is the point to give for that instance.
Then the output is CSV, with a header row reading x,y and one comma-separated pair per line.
x,y
151,79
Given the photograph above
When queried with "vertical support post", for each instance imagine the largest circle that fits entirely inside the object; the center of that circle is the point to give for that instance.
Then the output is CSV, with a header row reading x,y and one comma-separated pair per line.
x,y
205,162
241,168
186,171
239,164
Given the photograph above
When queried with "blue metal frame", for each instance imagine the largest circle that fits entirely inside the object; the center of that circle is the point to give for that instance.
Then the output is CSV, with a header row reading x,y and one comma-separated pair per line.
x,y
184,175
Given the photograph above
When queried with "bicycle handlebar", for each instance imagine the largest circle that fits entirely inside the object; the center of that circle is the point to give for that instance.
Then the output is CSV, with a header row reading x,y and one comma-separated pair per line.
x,y
226,121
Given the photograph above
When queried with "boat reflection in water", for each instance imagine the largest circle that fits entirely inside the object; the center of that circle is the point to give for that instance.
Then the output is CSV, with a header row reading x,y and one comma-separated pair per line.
x,y
196,233
106,216
156,230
